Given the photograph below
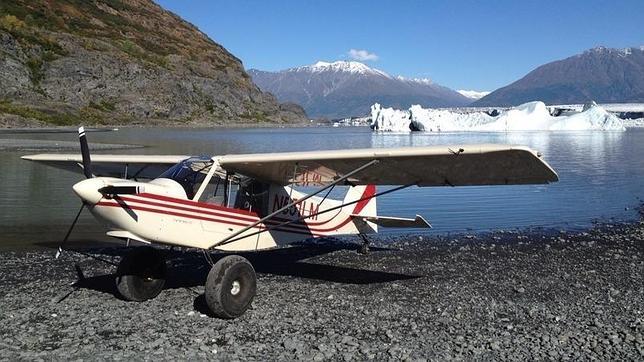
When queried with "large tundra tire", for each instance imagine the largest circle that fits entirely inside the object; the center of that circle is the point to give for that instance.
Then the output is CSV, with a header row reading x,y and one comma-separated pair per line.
x,y
230,287
141,274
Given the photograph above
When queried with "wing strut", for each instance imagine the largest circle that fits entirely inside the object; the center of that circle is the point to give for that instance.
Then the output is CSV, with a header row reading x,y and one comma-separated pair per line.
x,y
227,239
318,213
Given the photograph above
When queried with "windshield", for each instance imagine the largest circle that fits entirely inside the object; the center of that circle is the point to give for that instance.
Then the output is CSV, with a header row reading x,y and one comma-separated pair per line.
x,y
189,173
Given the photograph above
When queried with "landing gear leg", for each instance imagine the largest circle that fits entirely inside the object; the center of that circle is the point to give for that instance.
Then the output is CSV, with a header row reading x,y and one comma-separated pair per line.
x,y
141,274
230,287
364,248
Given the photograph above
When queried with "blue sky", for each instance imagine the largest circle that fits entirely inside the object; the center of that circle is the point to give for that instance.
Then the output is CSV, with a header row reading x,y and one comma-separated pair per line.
x,y
480,45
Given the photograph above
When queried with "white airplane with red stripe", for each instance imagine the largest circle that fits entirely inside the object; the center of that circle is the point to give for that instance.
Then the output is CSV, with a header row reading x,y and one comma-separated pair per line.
x,y
253,202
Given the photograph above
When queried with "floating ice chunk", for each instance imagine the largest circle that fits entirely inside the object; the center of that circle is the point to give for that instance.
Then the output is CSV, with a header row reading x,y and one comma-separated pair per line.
x,y
389,119
532,116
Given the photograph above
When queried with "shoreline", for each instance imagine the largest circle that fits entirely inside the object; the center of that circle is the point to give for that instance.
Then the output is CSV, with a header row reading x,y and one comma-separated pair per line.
x,y
35,127
35,145
504,295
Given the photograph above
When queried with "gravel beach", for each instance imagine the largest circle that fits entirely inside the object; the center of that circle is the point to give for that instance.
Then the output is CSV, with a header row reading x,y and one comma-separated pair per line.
x,y
504,295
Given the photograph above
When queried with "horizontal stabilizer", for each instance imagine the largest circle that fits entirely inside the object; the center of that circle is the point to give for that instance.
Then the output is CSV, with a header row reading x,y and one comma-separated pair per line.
x,y
396,222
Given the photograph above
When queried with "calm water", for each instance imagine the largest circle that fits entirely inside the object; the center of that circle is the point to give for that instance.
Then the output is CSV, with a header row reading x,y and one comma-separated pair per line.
x,y
601,176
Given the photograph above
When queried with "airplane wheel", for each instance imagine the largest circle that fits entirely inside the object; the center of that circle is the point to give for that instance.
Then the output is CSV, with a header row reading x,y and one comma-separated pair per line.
x,y
141,274
230,287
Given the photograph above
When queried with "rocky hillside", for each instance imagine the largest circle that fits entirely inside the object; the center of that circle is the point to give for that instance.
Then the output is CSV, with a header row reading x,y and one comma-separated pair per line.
x,y
68,62
343,89
601,74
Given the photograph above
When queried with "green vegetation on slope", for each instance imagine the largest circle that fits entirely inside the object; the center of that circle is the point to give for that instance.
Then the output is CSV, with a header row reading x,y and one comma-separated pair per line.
x,y
75,60
58,119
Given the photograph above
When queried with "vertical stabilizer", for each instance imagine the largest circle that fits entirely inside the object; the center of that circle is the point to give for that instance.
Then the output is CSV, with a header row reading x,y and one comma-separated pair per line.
x,y
365,207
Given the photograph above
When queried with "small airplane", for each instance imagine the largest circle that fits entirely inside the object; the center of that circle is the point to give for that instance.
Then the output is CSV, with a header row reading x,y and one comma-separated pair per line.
x,y
189,202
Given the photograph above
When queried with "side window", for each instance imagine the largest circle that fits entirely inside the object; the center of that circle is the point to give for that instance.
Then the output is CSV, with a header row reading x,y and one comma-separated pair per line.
x,y
253,197
218,191
214,192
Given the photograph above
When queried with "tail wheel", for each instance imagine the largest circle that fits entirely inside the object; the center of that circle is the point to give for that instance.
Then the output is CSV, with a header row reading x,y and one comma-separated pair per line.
x,y
230,287
141,274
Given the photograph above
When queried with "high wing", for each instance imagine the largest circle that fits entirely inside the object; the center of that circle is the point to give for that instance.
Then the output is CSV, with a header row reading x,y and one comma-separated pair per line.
x,y
136,166
466,165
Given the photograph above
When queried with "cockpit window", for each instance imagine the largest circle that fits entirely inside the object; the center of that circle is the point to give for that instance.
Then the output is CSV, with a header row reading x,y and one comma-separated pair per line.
x,y
189,173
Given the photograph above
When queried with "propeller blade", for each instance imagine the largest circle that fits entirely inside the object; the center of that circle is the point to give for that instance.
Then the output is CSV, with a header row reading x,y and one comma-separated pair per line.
x,y
87,162
69,232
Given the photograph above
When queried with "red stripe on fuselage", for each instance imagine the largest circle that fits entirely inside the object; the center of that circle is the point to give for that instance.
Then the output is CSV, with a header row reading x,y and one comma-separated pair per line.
x,y
199,204
233,214
305,230
238,214
196,217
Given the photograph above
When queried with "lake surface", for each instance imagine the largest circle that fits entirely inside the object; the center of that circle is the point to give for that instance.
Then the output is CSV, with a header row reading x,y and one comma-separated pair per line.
x,y
601,178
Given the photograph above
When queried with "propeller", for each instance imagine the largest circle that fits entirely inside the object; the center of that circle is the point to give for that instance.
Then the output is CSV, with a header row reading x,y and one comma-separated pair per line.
x,y
87,170
87,161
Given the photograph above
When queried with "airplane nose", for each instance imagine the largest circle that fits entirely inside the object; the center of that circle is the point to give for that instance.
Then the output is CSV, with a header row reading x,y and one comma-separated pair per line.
x,y
87,190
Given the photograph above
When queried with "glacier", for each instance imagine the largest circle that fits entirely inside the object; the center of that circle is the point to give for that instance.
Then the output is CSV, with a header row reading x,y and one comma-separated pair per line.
x,y
532,116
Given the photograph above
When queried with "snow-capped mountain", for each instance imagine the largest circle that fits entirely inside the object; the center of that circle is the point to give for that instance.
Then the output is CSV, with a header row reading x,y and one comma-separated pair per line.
x,y
344,88
473,94
341,66
601,74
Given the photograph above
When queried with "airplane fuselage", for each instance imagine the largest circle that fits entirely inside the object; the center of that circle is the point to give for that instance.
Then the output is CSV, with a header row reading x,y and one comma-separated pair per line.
x,y
161,213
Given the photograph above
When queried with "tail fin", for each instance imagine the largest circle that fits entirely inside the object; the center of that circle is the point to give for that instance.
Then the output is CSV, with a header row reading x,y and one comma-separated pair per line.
x,y
366,207
367,204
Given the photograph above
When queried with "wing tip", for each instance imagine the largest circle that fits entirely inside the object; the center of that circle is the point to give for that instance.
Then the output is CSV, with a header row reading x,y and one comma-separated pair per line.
x,y
555,177
424,221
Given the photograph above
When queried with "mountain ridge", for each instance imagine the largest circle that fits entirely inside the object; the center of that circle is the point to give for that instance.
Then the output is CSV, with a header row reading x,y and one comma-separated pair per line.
x,y
601,74
349,88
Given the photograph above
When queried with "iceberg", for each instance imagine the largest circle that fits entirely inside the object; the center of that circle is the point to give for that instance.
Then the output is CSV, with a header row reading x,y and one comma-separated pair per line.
x,y
389,119
532,116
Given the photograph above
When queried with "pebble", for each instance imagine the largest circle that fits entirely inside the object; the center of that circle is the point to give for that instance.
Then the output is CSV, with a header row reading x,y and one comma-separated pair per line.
x,y
438,299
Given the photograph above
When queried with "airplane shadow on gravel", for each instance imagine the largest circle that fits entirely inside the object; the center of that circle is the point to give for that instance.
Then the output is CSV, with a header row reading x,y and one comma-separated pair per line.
x,y
189,269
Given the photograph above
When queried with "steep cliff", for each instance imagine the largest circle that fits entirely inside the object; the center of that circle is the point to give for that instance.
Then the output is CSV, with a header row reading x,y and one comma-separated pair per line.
x,y
68,62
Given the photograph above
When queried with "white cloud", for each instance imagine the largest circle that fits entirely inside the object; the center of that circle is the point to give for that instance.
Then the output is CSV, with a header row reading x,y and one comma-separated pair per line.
x,y
362,55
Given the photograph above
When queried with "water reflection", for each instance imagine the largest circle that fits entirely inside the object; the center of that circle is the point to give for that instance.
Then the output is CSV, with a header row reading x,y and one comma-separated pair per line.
x,y
601,175
596,172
